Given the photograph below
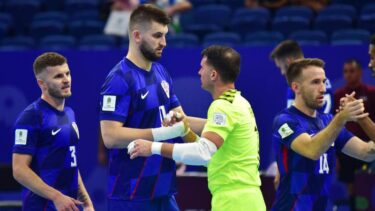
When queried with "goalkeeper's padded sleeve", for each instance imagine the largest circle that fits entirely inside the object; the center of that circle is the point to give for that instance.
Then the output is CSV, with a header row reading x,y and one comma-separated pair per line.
x,y
198,153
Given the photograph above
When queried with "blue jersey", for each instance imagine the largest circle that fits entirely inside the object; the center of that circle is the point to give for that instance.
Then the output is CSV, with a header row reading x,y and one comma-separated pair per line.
x,y
328,98
304,183
50,137
138,99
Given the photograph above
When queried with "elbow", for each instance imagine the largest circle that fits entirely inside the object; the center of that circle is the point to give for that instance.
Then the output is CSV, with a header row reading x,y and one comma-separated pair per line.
x,y
17,172
108,140
314,156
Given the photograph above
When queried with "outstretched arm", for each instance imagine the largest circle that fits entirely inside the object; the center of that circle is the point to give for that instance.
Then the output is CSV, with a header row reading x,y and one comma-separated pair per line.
x,y
359,149
314,147
368,126
197,153
28,178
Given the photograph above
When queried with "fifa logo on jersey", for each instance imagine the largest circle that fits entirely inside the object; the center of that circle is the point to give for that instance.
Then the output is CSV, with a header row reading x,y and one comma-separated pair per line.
x,y
75,127
165,86
20,136
109,103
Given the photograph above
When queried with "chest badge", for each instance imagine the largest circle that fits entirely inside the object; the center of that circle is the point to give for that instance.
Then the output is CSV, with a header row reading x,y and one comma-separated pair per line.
x,y
165,86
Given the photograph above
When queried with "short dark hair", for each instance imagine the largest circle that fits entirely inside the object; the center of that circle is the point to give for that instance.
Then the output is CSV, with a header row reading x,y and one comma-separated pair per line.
x,y
146,13
372,39
355,62
225,60
295,68
48,59
285,49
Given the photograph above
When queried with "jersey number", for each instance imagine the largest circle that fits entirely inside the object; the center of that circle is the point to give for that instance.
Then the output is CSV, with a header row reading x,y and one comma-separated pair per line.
x,y
162,113
72,150
323,164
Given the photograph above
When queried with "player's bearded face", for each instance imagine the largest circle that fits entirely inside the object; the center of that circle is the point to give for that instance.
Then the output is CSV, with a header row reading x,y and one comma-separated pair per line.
x,y
58,82
150,53
310,99
58,91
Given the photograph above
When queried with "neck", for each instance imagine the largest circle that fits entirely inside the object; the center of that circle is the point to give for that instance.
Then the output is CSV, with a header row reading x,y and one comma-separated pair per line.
x,y
135,56
57,103
219,90
301,105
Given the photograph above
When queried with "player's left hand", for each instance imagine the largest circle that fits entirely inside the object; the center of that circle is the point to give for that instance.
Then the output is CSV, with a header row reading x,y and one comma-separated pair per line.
x,y
172,117
139,148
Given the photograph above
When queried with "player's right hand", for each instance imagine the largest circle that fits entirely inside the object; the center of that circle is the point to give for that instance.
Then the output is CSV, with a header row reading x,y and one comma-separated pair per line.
x,y
353,111
66,203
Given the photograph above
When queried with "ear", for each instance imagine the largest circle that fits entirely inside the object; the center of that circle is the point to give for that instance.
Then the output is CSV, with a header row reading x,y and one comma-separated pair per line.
x,y
295,86
41,83
214,75
137,36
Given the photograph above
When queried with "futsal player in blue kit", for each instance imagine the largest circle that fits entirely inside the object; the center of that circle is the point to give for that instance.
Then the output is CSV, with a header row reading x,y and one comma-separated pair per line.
x,y
283,55
305,140
135,97
46,138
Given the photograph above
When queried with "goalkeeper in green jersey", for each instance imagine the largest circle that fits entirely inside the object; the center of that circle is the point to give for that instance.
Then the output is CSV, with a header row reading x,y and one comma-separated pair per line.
x,y
229,144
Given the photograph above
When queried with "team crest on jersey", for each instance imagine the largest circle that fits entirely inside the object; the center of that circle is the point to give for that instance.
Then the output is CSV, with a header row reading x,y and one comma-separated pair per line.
x,y
75,127
109,103
21,136
285,131
165,86
219,119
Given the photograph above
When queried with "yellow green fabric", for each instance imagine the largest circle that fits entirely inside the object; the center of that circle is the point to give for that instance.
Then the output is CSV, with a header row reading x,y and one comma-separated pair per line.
x,y
234,166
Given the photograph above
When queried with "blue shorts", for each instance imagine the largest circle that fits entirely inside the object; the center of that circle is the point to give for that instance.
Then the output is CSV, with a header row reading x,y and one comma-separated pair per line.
x,y
167,203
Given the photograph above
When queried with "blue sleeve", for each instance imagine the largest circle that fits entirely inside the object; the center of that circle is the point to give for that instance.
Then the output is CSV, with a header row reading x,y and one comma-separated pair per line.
x,y
343,137
26,132
286,129
115,98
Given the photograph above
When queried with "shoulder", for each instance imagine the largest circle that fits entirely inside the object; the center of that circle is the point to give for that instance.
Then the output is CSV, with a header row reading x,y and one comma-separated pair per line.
x,y
31,115
285,116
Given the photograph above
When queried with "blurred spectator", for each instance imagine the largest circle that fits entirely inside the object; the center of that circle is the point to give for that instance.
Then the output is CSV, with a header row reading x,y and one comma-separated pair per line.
x,y
347,166
313,4
173,8
275,4
270,4
118,20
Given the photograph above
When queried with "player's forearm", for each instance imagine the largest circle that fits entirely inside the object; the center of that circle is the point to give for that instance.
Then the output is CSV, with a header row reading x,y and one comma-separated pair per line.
x,y
82,193
370,154
368,126
321,142
120,137
29,179
196,124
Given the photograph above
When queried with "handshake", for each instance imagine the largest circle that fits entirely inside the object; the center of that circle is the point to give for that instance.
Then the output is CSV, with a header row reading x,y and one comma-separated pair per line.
x,y
174,125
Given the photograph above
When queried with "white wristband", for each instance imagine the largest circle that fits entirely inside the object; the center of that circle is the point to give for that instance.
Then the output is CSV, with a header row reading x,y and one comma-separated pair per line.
x,y
166,133
156,148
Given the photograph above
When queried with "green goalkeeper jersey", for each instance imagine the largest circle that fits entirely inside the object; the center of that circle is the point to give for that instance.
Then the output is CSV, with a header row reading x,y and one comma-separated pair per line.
x,y
235,164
